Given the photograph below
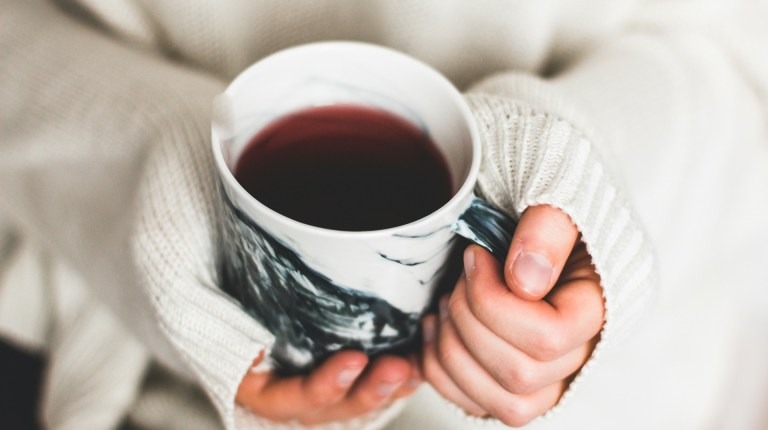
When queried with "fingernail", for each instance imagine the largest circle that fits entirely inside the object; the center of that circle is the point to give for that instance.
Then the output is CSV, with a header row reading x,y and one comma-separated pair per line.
x,y
469,263
532,272
428,330
386,389
443,308
347,376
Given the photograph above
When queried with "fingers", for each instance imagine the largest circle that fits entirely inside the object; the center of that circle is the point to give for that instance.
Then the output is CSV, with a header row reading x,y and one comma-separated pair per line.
x,y
341,388
383,380
540,248
472,388
498,348
581,311
387,378
414,380
544,329
514,370
332,380
435,374
281,399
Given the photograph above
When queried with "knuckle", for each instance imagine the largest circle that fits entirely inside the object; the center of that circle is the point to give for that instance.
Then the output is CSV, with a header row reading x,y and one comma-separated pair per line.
x,y
521,379
367,399
596,319
549,344
512,413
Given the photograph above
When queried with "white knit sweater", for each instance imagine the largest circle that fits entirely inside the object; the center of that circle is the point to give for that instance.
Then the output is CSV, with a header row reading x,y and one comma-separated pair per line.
x,y
632,118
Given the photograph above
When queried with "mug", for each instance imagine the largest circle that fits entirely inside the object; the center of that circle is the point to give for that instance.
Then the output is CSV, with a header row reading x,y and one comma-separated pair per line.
x,y
319,290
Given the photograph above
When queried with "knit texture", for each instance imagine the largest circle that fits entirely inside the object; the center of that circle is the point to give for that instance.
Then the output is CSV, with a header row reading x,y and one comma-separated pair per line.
x,y
534,157
105,164
139,218
217,339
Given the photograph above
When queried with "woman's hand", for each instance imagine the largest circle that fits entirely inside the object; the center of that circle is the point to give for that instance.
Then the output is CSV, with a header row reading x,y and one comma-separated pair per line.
x,y
506,343
345,386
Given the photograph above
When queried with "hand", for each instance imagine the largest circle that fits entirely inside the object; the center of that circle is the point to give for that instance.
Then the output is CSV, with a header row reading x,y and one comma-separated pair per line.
x,y
343,387
506,344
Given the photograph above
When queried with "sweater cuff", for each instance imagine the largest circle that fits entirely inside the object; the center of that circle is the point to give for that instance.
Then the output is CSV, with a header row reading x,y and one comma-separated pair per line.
x,y
174,249
538,151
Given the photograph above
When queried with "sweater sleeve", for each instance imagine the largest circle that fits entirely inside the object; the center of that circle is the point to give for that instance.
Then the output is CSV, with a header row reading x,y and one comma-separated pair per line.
x,y
622,134
106,160
534,155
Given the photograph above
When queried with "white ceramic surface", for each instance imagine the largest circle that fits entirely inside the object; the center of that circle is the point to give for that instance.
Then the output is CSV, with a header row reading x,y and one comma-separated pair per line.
x,y
289,275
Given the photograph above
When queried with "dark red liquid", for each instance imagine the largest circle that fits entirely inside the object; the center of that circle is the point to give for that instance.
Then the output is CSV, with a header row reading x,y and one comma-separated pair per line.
x,y
345,167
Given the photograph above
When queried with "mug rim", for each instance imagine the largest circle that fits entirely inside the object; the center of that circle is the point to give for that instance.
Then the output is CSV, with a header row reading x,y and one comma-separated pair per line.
x,y
466,188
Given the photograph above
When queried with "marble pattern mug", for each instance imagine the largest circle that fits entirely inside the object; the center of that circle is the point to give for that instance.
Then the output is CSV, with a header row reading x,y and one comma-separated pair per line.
x,y
319,290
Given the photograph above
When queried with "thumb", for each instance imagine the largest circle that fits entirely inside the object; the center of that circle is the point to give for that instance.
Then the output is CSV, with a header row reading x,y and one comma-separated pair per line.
x,y
543,240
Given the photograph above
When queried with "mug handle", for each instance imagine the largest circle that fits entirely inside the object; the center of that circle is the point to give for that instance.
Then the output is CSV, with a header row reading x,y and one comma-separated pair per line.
x,y
487,226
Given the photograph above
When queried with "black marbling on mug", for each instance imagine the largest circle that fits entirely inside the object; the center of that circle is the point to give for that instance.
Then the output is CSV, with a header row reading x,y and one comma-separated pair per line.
x,y
310,315
318,290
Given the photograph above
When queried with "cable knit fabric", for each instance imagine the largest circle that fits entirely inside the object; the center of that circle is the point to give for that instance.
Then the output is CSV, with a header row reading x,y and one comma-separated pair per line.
x,y
631,117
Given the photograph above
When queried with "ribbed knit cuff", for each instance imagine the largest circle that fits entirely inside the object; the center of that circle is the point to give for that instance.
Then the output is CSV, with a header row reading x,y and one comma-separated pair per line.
x,y
174,250
536,151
